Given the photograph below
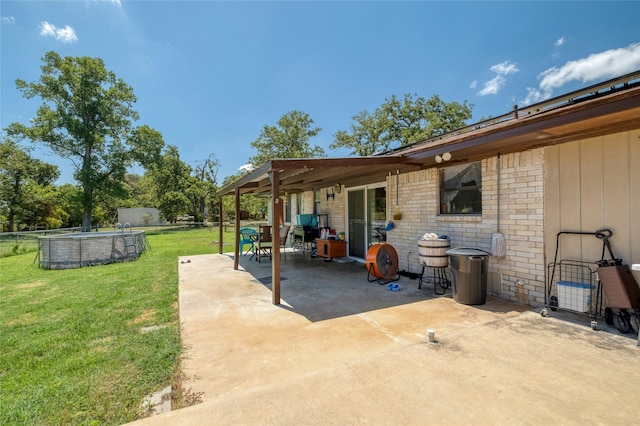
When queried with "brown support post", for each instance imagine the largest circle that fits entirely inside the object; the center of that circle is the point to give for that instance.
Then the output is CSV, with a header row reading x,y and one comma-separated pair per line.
x,y
275,248
220,226
236,256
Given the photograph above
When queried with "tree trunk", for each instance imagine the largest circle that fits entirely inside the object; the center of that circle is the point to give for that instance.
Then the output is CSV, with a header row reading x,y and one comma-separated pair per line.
x,y
87,185
11,220
87,203
202,206
86,220
17,183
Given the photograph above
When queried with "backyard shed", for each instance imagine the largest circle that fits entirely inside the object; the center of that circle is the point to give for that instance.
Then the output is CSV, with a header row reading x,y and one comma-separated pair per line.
x,y
140,216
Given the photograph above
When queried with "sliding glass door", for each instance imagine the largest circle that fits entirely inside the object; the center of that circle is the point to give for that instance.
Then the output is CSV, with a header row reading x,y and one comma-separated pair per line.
x,y
357,223
366,216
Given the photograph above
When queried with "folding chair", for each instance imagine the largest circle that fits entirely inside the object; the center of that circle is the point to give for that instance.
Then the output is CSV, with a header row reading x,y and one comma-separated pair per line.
x,y
264,244
284,236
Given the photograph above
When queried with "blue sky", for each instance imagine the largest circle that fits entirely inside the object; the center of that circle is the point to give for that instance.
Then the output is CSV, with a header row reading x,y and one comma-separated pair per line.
x,y
209,75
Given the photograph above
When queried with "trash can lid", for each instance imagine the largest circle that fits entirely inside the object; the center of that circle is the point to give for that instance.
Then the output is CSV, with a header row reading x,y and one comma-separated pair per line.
x,y
466,251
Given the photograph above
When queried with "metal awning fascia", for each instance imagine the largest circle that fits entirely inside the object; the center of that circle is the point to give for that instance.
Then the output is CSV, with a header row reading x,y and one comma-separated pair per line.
x,y
303,174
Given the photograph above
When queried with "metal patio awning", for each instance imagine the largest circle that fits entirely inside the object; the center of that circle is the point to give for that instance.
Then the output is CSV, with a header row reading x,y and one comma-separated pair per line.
x,y
601,109
299,175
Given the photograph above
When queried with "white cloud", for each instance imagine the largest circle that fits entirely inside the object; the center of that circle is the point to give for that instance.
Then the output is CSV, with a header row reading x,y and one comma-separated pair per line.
x,y
534,96
558,44
597,66
8,19
608,64
246,168
46,29
505,68
473,84
494,85
65,35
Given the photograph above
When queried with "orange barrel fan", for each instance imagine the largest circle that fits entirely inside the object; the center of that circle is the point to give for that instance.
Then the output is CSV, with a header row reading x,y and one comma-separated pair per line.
x,y
382,261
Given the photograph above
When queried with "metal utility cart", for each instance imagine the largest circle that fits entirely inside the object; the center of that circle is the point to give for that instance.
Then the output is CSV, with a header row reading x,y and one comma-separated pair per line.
x,y
577,286
571,286
571,283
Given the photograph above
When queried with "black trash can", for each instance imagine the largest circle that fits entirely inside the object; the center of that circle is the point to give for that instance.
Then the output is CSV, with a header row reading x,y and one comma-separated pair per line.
x,y
469,275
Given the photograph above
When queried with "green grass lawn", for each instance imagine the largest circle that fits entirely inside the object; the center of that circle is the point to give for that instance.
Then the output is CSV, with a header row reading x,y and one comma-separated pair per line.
x,y
85,346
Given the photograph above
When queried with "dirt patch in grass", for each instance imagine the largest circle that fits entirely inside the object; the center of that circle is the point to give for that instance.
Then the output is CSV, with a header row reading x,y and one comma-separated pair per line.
x,y
104,340
147,315
31,285
22,320
103,344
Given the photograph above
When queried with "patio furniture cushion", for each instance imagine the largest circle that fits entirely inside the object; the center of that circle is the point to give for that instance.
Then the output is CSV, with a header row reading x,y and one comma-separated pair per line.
x,y
263,248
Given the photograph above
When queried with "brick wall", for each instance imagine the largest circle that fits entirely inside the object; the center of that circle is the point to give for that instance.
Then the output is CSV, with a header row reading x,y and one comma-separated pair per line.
x,y
334,207
519,276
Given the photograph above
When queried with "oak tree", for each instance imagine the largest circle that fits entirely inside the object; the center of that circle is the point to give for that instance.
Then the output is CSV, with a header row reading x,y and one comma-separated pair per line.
x,y
400,122
288,139
87,116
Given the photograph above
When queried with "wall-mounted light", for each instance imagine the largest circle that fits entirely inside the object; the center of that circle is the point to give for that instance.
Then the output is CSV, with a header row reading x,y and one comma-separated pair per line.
x,y
444,157
331,194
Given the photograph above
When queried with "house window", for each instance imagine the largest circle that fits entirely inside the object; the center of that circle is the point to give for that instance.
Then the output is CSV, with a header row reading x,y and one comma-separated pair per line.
x,y
461,189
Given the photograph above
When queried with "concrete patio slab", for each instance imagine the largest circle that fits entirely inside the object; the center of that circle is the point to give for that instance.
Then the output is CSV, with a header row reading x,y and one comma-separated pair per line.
x,y
342,350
